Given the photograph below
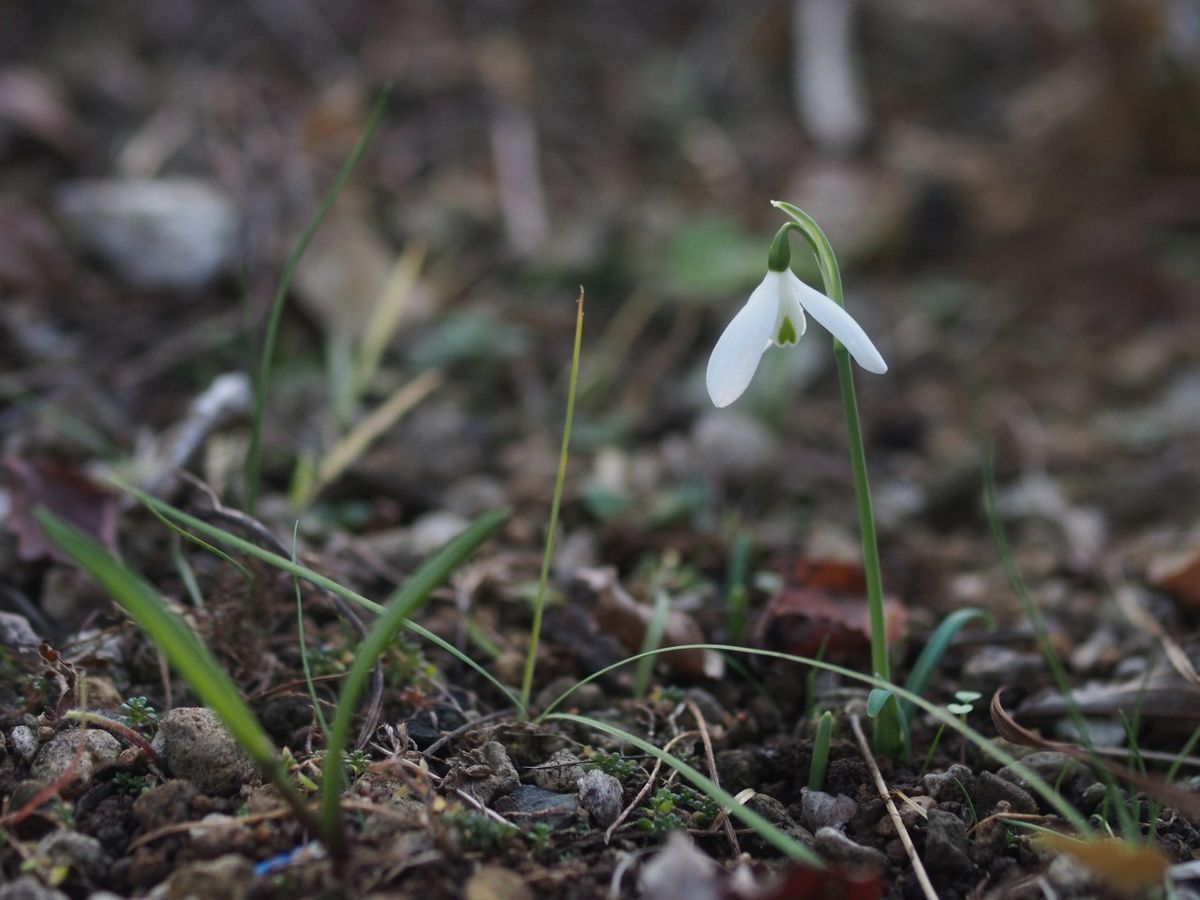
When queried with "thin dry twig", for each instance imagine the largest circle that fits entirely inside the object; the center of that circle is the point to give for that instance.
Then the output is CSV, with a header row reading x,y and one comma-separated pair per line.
x,y
893,813
711,760
641,794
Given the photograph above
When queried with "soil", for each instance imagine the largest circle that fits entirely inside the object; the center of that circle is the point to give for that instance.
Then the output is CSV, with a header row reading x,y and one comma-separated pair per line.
x,y
1019,227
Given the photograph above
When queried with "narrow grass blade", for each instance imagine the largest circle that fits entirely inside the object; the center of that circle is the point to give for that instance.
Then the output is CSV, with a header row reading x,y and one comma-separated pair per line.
x,y
267,357
652,640
739,571
398,610
308,678
386,314
286,565
346,451
935,648
1039,786
187,655
779,839
539,602
820,754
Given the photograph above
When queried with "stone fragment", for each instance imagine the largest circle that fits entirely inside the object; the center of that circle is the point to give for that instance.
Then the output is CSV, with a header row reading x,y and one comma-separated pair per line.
x,y
80,853
484,773
990,790
834,847
227,877
497,883
946,846
560,773
58,755
601,795
820,810
165,804
173,233
197,747
24,742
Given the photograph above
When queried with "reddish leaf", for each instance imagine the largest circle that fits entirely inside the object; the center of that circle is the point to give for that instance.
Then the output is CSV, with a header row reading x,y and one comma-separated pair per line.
x,y
823,602
67,493
802,881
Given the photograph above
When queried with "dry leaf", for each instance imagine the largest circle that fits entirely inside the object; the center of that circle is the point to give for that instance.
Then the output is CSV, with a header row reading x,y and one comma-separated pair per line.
x,y
618,614
1178,574
1129,869
824,603
67,493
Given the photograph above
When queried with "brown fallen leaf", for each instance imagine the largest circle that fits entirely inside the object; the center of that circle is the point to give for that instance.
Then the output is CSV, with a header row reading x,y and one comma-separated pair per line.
x,y
1129,869
823,602
67,493
618,614
1178,574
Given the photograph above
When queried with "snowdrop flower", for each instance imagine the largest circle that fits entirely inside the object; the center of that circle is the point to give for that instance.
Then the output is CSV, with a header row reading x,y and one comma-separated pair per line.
x,y
774,314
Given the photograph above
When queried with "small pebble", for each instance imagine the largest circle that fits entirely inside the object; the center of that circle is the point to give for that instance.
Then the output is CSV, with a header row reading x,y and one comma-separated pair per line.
x,y
601,795
838,849
58,756
24,742
197,747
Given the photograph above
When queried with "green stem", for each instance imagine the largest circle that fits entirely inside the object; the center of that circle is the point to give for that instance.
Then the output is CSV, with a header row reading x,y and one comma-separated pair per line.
x,y
887,723
267,358
539,602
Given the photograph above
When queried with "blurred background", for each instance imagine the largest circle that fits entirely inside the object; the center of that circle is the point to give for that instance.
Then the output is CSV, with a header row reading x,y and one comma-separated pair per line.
x,y
1011,187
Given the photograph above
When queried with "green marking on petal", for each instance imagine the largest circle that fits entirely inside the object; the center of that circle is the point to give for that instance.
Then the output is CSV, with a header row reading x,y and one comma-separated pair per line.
x,y
787,333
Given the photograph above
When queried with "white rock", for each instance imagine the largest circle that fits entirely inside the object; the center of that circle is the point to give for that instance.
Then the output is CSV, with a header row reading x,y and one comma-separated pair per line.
x,y
174,233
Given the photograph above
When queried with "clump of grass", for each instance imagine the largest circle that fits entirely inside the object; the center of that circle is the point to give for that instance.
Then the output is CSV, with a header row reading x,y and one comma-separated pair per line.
x,y
204,675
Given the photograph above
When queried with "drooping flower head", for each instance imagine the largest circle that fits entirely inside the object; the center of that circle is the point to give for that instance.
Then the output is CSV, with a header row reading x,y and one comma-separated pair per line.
x,y
774,314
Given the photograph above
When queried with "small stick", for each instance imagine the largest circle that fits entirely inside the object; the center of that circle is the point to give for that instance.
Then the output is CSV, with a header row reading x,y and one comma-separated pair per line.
x,y
722,820
893,813
641,794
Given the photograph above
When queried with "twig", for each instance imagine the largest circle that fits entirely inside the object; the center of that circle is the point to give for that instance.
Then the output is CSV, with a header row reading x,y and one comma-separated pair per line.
x,y
124,731
641,794
893,813
437,745
709,758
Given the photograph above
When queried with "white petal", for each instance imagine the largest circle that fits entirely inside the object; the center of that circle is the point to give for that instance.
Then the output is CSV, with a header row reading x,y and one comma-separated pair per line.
x,y
735,357
839,323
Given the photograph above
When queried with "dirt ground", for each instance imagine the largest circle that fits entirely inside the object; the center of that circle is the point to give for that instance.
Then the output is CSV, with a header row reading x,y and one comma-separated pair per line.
x,y
1012,192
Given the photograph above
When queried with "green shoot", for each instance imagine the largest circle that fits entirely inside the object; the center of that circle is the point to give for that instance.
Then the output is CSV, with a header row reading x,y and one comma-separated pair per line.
x,y
267,357
539,602
739,569
889,737
652,640
820,753
304,664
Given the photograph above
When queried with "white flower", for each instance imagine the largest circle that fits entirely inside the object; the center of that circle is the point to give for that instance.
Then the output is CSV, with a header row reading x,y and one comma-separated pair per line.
x,y
774,314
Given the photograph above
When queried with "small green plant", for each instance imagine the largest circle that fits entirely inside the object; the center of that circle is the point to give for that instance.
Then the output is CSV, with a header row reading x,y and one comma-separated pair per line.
x,y
659,817
617,766
136,712
481,833
539,837
357,763
820,753
962,707
128,783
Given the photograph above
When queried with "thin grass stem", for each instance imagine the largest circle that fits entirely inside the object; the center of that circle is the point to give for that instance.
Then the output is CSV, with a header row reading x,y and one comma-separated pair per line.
x,y
267,357
539,601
